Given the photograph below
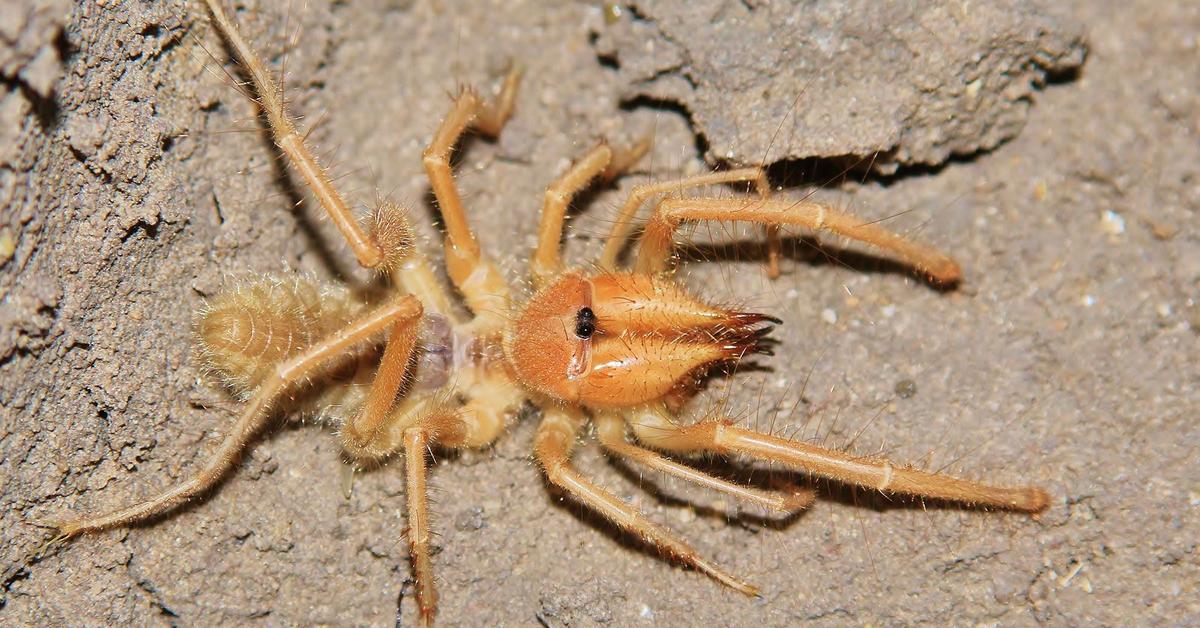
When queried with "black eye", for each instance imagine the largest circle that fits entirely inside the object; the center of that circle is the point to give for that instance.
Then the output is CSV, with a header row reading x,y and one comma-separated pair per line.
x,y
585,323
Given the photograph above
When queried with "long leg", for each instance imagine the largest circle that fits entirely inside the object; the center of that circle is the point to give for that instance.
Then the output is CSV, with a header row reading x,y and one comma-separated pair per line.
x,y
390,239
404,263
552,447
418,430
601,161
619,233
378,430
656,430
440,424
291,142
481,283
365,434
253,418
547,258
416,441
656,242
611,430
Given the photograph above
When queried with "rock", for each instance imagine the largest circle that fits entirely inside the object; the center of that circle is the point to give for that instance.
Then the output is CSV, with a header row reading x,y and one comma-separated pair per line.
x,y
892,83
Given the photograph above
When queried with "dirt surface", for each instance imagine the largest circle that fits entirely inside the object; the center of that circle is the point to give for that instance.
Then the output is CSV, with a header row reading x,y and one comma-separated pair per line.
x,y
135,180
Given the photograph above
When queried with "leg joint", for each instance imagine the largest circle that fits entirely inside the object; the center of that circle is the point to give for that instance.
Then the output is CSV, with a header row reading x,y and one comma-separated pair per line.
x,y
888,473
434,158
556,194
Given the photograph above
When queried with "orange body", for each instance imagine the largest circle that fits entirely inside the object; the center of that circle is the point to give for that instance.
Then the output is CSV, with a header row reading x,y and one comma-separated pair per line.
x,y
618,340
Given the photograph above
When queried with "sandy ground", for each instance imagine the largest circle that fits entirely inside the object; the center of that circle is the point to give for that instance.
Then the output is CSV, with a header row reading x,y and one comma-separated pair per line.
x,y
134,182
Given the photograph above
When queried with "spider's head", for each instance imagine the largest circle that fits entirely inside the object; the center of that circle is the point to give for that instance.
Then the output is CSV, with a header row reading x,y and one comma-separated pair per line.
x,y
617,340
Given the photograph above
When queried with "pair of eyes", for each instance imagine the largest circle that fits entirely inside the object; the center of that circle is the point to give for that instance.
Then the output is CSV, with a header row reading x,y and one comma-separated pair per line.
x,y
585,323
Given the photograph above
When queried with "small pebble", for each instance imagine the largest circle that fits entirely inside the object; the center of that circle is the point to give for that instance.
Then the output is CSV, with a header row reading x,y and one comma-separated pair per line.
x,y
1112,222
1039,191
470,520
8,245
612,12
829,316
906,388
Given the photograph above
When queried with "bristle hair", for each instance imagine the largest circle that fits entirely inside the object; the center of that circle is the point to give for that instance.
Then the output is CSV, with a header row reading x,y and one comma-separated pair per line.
x,y
392,233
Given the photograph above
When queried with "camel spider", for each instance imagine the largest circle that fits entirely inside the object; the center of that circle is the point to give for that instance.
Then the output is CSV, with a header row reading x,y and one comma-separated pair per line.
x,y
621,347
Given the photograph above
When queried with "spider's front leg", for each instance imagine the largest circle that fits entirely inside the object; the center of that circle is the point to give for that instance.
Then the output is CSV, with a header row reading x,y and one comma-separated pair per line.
x,y
656,243
654,427
618,234
611,430
603,162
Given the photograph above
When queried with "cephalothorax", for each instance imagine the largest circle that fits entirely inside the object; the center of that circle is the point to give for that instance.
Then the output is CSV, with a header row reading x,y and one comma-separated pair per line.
x,y
619,347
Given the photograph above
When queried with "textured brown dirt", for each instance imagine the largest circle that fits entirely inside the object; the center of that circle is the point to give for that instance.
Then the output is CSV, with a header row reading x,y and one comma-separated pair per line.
x,y
902,83
134,180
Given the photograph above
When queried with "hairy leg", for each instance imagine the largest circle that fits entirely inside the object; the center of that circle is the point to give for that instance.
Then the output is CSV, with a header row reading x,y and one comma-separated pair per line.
x,y
254,416
365,435
611,430
380,429
602,161
438,425
656,243
552,448
492,401
619,233
654,428
441,424
291,142
388,243
481,283
416,442
403,262
547,258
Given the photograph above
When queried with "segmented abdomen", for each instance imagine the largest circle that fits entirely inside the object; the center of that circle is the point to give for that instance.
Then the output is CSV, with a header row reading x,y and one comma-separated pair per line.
x,y
242,334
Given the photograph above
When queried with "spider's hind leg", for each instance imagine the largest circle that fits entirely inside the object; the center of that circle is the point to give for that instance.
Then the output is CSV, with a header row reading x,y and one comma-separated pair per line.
x,y
293,144
386,242
258,410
